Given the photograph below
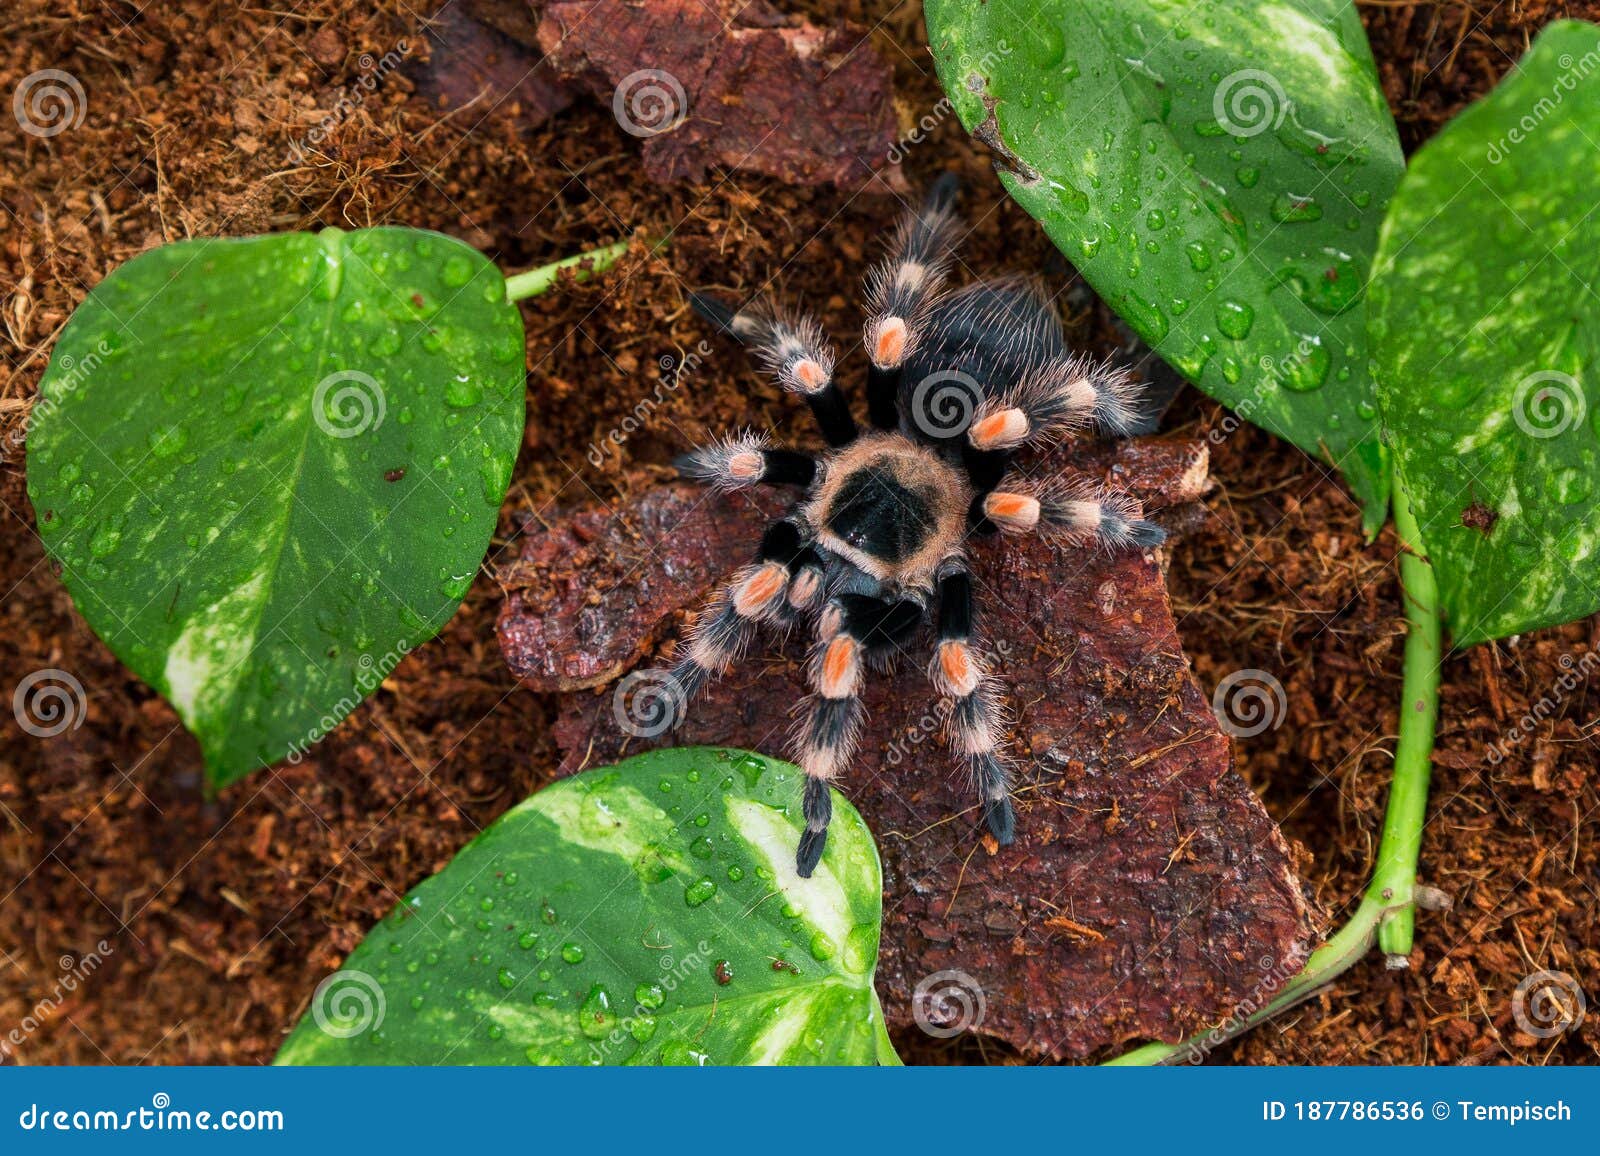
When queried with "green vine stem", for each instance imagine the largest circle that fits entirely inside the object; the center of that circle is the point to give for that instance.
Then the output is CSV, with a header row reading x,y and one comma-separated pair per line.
x,y
536,281
1387,912
1394,880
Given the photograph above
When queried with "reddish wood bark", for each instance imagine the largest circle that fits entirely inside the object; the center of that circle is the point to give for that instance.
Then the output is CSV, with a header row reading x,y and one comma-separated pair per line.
x,y
1148,895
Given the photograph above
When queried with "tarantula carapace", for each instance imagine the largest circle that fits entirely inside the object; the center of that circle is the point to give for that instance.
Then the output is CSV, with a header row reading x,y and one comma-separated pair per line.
x,y
957,383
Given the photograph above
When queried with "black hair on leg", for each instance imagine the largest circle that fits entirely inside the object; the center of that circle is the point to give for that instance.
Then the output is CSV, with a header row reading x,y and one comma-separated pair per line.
x,y
817,806
792,348
740,460
976,720
901,290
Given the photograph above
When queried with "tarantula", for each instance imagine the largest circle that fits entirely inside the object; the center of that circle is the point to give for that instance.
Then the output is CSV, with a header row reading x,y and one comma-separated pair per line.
x,y
957,383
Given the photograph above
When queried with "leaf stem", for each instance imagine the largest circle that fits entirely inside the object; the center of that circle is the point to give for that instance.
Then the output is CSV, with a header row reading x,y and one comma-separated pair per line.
x,y
536,281
1387,912
1394,879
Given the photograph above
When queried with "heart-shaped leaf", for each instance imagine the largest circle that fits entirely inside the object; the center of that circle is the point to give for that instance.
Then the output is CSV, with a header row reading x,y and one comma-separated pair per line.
x,y
646,913
269,467
1217,171
1486,330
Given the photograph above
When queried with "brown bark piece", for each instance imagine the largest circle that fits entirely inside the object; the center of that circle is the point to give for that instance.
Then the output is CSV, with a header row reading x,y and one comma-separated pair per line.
x,y
1148,895
472,57
727,83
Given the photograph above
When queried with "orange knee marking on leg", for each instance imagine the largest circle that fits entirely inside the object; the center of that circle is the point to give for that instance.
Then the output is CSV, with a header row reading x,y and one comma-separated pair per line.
x,y
810,375
839,668
746,466
959,671
760,589
804,589
890,345
1012,511
1005,428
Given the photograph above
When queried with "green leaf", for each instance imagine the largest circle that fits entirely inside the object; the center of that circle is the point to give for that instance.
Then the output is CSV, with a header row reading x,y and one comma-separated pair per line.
x,y
647,913
1217,171
1487,340
269,467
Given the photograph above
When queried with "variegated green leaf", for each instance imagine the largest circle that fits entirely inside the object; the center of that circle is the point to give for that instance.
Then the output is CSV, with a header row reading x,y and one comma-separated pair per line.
x,y
1486,328
1218,171
269,467
647,913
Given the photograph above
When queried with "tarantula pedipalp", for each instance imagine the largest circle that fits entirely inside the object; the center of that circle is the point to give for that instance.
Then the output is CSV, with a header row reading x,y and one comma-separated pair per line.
x,y
957,383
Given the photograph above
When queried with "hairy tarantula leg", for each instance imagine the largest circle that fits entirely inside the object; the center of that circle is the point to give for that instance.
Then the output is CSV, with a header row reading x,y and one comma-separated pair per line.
x,y
740,460
793,350
1056,399
755,594
849,626
1113,519
900,290
807,581
976,719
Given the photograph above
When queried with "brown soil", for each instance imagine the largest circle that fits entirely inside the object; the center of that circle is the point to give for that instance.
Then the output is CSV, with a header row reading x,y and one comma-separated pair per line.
x,y
221,916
